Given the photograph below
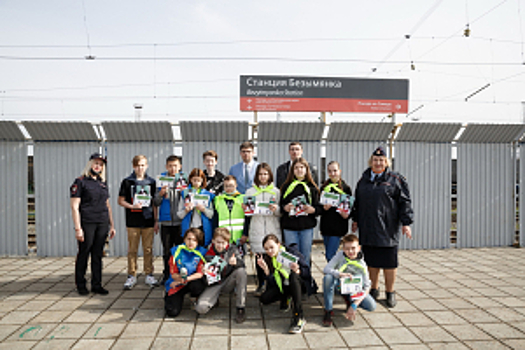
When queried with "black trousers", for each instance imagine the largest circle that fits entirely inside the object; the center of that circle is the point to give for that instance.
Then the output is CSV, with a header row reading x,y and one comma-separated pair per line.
x,y
170,237
261,276
95,235
293,289
173,303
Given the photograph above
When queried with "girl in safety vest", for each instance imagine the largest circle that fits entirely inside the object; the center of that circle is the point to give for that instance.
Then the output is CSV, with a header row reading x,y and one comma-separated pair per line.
x,y
334,222
230,212
300,206
186,272
192,210
258,225
286,279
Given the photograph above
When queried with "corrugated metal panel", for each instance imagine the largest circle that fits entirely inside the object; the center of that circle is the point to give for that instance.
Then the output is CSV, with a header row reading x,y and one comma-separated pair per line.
x,y
522,194
289,131
428,132
61,131
9,131
428,170
214,131
13,200
353,158
359,131
491,133
120,155
486,211
137,131
228,154
56,165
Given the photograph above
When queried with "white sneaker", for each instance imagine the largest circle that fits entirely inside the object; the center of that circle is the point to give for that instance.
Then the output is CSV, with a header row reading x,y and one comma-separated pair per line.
x,y
130,282
151,281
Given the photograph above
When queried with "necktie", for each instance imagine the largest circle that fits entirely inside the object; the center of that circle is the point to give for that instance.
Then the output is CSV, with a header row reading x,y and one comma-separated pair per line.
x,y
246,176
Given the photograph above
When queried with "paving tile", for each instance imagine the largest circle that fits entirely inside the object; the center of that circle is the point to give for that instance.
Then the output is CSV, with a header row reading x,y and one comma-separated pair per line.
x,y
412,294
69,331
177,343
212,327
510,301
203,342
89,344
35,305
66,305
506,314
501,330
135,344
18,317
116,316
467,332
104,331
7,330
17,345
447,346
55,344
252,342
486,345
32,332
247,327
83,316
330,339
410,347
361,337
516,344
400,335
176,329
382,320
456,303
427,304
149,315
445,317
415,319
287,341
432,334
138,330
278,325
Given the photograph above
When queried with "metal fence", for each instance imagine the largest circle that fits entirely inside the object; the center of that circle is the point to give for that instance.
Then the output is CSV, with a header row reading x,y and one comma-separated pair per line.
x,y
486,168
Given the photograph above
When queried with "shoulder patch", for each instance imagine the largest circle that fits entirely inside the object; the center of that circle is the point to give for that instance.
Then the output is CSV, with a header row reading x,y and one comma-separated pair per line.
x,y
74,189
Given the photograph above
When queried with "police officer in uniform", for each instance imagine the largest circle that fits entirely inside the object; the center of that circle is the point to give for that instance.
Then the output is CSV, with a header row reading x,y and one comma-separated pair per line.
x,y
93,220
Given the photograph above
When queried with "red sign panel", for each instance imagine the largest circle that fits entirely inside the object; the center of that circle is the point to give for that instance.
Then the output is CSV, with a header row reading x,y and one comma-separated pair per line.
x,y
308,94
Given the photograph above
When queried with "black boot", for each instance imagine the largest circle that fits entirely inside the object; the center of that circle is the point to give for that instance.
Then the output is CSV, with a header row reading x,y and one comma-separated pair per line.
x,y
374,293
391,299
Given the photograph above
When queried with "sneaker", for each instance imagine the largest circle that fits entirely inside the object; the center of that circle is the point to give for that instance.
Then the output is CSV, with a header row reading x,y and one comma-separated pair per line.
x,y
391,299
151,281
82,290
286,304
100,290
297,325
327,319
259,291
241,315
130,282
374,293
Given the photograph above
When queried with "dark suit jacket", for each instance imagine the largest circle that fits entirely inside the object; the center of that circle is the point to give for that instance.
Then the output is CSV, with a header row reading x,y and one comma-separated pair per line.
x,y
282,173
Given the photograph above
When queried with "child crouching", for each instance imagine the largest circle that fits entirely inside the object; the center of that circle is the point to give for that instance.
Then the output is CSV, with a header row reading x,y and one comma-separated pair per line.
x,y
186,272
230,272
347,263
285,282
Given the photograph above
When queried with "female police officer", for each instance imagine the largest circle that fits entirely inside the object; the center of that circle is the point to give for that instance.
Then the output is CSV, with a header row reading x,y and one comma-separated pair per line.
x,y
93,219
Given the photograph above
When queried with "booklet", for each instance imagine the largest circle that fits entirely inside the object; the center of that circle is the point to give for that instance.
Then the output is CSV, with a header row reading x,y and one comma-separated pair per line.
x,y
286,258
330,198
352,286
201,198
188,195
165,180
142,195
263,208
299,206
181,181
213,269
345,204
249,203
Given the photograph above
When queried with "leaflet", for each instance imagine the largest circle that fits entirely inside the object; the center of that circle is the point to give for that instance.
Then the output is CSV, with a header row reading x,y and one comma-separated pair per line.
x,y
201,198
263,208
330,198
299,206
345,204
164,180
352,286
143,199
249,205
181,181
285,258
213,269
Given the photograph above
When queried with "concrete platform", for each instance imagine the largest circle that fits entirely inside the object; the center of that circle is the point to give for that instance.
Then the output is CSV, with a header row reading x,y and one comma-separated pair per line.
x,y
447,299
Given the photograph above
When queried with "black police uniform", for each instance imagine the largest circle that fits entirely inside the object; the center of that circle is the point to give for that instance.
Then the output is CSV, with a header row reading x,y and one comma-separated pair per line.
x,y
94,219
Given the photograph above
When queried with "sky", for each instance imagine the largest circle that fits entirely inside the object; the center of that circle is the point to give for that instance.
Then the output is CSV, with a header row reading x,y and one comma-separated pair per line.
x,y
182,60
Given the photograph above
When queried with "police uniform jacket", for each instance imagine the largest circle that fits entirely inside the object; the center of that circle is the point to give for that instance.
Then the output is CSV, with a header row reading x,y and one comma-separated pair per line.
x,y
381,207
93,194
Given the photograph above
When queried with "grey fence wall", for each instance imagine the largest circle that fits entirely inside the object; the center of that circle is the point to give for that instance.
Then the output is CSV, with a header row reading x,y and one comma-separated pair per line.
x,y
423,156
13,197
521,195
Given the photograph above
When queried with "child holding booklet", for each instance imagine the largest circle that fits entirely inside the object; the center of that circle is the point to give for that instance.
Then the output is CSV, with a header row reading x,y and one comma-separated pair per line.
x,y
258,225
285,279
196,213
349,264
334,222
300,192
229,207
227,275
186,272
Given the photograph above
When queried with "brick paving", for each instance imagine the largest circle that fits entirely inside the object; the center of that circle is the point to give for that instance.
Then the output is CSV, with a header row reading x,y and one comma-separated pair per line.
x,y
447,299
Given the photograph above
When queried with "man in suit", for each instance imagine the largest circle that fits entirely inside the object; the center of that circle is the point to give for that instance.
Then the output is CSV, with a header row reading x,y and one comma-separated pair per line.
x,y
244,171
296,151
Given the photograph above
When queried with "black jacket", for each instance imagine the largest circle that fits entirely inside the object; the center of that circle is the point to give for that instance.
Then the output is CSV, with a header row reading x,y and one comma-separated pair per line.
x,y
308,282
381,207
215,184
283,169
301,222
332,223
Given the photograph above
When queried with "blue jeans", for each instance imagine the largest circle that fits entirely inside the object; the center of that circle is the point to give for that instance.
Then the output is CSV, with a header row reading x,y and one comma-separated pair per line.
x,y
329,288
331,244
303,239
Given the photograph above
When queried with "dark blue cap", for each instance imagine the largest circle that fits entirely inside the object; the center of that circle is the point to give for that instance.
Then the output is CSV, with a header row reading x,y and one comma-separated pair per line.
x,y
98,156
380,152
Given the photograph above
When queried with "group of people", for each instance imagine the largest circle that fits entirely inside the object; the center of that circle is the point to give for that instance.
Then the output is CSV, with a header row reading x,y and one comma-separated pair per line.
x,y
207,226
